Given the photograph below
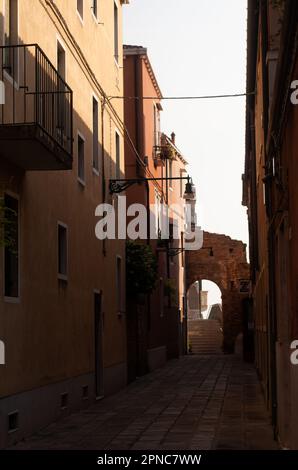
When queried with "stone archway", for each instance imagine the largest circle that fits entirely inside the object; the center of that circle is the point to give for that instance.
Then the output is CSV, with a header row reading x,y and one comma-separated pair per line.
x,y
223,261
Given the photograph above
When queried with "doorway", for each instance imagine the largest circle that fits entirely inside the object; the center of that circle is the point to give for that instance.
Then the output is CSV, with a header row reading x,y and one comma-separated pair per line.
x,y
98,344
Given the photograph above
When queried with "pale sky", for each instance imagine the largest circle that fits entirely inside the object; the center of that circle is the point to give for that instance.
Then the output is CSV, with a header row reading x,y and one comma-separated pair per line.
x,y
198,47
214,294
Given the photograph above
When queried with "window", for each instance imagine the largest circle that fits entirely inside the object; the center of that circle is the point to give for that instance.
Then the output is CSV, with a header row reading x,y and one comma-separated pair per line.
x,y
171,232
182,183
81,159
119,284
11,36
62,251
85,392
116,33
95,135
156,125
61,103
61,61
80,8
170,173
11,242
94,7
64,400
117,151
157,214
11,22
13,421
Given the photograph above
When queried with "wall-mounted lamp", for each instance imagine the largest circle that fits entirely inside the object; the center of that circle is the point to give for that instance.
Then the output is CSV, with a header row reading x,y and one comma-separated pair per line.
x,y
118,185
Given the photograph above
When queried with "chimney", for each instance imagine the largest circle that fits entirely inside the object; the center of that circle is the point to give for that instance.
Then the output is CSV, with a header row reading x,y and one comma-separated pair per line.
x,y
173,137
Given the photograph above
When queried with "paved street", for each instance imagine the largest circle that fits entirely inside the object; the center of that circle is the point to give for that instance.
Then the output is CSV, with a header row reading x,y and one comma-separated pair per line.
x,y
198,402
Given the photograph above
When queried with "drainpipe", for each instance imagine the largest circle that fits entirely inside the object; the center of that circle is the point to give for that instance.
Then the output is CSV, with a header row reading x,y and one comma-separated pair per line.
x,y
148,243
103,178
138,112
167,202
139,135
270,235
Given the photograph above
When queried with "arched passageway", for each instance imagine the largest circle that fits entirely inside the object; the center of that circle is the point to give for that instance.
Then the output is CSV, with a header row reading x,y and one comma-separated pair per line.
x,y
204,300
205,318
223,261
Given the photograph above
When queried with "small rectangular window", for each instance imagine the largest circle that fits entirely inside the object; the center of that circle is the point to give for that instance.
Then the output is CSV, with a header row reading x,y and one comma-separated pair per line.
x,y
60,103
170,173
116,33
156,118
62,250
13,421
11,246
85,392
80,8
117,151
61,60
182,183
95,135
171,231
11,37
64,401
94,7
81,159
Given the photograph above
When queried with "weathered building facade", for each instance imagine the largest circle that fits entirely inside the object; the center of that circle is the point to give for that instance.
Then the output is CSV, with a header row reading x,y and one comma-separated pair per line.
x,y
270,193
155,327
61,139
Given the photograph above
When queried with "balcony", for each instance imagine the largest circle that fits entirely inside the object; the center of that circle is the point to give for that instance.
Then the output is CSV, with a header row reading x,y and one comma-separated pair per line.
x,y
36,119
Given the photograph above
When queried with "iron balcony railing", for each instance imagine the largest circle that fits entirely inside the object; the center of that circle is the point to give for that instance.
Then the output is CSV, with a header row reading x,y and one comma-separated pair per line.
x,y
36,94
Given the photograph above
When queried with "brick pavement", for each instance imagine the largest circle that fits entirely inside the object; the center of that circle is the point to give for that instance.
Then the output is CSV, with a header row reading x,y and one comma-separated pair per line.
x,y
197,402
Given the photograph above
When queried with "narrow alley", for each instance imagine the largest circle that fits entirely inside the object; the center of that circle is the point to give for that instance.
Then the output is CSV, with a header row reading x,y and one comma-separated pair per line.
x,y
196,402
149,232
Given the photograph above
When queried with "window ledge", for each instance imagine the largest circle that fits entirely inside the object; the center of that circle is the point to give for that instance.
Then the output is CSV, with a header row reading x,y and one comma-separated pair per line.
x,y
80,18
117,62
12,431
81,182
12,300
95,18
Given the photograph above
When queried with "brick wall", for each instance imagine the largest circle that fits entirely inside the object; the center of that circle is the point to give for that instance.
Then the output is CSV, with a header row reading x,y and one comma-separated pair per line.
x,y
223,261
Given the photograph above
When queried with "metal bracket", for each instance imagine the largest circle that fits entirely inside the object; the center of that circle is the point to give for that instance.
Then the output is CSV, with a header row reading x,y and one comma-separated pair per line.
x,y
119,185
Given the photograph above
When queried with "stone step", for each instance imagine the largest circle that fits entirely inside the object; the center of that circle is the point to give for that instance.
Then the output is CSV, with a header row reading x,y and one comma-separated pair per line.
x,y
205,336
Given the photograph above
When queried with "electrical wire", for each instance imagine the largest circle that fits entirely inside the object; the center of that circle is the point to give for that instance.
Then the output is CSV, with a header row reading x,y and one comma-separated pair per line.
x,y
128,138
202,97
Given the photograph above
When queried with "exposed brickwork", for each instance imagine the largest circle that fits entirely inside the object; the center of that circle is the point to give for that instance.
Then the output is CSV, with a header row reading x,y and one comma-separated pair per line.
x,y
226,268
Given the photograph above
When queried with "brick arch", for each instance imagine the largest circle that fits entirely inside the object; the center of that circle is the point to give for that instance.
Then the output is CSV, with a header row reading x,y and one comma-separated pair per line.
x,y
226,268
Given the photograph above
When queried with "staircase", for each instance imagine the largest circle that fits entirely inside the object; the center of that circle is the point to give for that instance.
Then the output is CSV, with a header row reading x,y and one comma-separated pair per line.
x,y
205,337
